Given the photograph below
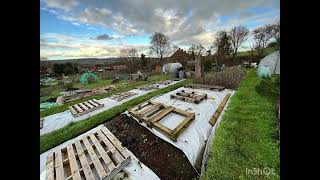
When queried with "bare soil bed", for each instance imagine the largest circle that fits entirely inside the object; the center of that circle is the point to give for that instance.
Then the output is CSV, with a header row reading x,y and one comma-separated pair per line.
x,y
165,160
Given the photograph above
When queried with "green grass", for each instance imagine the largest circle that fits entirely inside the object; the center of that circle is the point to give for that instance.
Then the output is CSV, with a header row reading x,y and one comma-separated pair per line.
x,y
121,87
74,129
247,136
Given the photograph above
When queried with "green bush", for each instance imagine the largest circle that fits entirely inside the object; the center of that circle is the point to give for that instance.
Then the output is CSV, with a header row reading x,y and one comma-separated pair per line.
x,y
269,86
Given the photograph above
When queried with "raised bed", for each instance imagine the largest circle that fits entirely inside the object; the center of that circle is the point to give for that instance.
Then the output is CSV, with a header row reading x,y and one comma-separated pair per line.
x,y
152,113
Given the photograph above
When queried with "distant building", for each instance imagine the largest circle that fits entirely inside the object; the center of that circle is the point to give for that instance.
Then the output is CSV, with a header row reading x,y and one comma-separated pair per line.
x,y
181,56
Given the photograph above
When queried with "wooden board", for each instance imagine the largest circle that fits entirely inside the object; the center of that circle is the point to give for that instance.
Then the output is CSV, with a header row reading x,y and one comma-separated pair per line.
x,y
85,107
98,155
205,86
217,113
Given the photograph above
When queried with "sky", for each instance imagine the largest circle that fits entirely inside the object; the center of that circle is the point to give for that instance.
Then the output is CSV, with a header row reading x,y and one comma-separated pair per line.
x,y
71,29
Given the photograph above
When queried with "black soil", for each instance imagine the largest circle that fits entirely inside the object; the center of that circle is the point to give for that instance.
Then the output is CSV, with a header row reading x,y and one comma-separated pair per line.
x,y
165,160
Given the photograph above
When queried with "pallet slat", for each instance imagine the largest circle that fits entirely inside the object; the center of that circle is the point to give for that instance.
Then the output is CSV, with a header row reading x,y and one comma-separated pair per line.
x,y
103,153
59,165
111,147
102,174
75,174
83,160
50,167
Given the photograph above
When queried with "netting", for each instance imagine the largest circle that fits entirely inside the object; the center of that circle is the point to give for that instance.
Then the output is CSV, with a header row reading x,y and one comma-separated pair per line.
x,y
88,77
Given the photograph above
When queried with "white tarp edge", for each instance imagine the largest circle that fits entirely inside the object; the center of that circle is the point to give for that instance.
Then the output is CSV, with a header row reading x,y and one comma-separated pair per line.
x,y
135,170
59,120
195,136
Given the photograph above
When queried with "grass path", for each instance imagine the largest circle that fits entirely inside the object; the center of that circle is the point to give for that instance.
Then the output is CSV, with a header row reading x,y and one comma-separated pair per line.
x,y
247,136
74,129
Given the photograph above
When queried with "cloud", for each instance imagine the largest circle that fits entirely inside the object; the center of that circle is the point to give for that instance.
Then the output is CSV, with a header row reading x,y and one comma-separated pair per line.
x,y
180,20
65,5
102,37
58,46
76,24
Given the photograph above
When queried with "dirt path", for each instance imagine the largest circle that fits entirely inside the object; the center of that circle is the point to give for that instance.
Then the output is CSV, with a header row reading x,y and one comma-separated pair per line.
x,y
167,161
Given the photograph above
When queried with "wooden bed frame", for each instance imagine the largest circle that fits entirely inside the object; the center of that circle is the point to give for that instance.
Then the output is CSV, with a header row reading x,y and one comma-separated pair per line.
x,y
152,113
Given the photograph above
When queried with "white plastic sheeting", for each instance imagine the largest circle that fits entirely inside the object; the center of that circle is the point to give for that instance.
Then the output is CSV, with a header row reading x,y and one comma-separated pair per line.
x,y
170,67
135,169
195,136
59,120
272,61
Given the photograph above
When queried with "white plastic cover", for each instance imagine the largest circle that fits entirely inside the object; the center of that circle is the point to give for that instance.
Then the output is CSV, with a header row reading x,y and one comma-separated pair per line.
x,y
170,67
271,61
195,136
59,120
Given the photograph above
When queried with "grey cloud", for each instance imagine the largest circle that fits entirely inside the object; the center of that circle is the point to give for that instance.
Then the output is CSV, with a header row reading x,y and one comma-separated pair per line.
x,y
66,5
103,37
180,20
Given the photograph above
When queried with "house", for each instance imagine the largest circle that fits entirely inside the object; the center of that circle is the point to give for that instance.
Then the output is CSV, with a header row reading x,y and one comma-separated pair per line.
x,y
181,56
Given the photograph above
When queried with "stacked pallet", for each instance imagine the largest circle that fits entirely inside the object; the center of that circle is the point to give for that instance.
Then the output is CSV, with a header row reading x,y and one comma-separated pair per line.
x,y
98,155
152,114
189,96
121,96
85,107
204,86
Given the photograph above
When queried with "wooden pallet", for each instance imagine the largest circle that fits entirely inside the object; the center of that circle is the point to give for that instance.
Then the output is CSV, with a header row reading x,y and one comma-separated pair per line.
x,y
166,82
98,155
217,113
204,86
149,87
152,113
139,110
192,96
85,107
41,122
121,96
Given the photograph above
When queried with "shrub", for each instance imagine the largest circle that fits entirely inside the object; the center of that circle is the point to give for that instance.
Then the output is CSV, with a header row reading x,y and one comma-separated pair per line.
x,y
229,78
269,87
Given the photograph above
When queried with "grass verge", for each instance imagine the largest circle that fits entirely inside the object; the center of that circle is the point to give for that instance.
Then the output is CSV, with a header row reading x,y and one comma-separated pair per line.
x,y
72,130
120,88
247,137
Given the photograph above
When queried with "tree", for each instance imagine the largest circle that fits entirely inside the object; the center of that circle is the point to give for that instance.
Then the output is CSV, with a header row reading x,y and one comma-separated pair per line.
x,y
160,44
262,36
223,43
197,49
276,33
237,35
143,61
